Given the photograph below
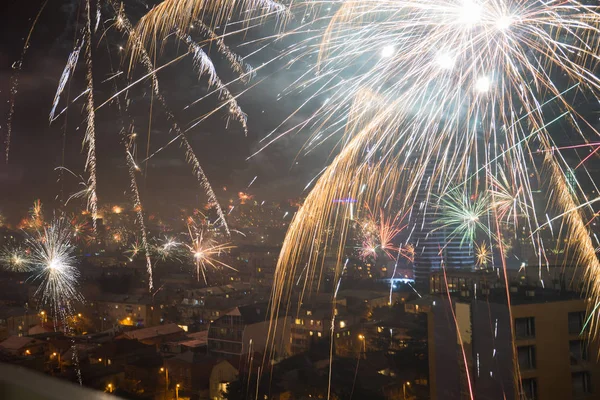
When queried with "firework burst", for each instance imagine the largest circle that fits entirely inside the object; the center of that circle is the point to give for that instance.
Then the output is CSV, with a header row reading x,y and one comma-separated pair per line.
x,y
431,97
462,216
15,259
379,232
81,230
52,255
483,254
205,251
168,248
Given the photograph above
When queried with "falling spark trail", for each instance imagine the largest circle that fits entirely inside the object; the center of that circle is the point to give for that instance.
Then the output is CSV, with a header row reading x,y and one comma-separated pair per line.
x,y
14,84
251,182
125,25
90,132
66,75
132,169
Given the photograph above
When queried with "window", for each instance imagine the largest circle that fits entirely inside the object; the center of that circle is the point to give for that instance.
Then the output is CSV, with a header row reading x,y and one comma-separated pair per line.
x,y
529,389
299,321
525,328
581,383
576,321
578,351
319,334
342,324
526,355
308,312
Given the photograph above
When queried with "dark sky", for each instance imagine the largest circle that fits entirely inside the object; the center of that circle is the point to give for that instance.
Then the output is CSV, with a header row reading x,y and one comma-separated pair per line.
x,y
37,146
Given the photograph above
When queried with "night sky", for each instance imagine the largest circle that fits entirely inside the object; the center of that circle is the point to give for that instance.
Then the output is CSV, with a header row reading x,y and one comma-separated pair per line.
x,y
37,146
166,181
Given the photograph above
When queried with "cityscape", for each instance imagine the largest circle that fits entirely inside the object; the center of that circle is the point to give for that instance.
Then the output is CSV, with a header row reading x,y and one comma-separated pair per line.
x,y
293,200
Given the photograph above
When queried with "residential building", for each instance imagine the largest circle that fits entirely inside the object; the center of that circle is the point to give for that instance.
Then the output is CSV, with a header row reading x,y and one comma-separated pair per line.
x,y
554,360
18,321
192,371
120,352
223,373
247,329
129,310
556,276
23,345
313,324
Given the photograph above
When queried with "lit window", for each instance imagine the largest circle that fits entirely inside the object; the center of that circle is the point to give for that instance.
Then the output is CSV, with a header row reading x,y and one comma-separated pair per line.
x,y
319,334
298,321
308,312
342,324
312,321
311,333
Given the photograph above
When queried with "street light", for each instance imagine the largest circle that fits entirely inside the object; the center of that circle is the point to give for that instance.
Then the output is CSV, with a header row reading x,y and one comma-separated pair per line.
x,y
109,387
404,385
166,371
57,355
177,391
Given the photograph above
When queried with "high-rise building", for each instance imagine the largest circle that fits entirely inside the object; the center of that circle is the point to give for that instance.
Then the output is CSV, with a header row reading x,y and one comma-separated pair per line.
x,y
433,241
428,235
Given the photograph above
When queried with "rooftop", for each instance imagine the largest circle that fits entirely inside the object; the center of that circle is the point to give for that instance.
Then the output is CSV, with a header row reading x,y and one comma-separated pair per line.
x,y
124,298
197,339
251,314
362,294
152,332
528,295
18,342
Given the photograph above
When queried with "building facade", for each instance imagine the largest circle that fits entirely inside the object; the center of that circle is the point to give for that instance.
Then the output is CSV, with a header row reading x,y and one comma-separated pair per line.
x,y
551,357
